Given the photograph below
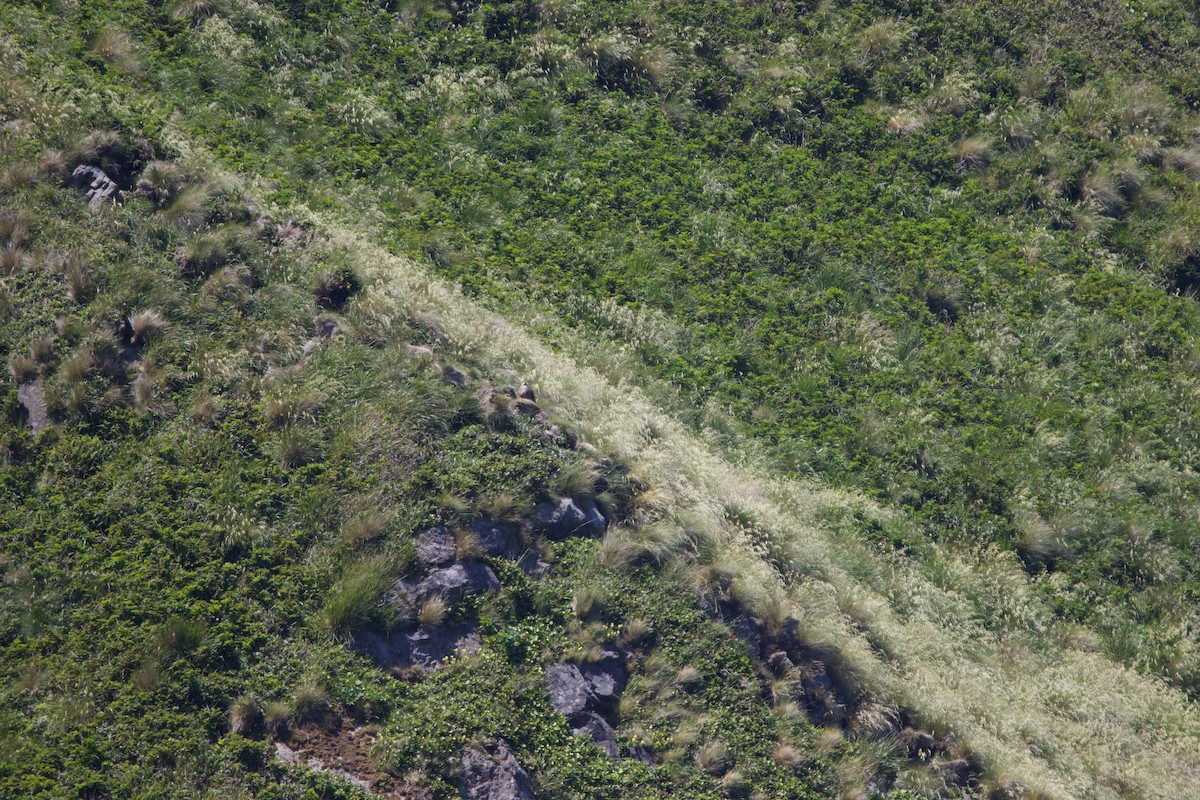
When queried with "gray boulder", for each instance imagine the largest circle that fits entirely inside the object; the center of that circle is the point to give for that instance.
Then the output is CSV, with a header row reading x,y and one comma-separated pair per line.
x,y
31,396
425,647
595,727
570,518
436,547
591,687
457,581
97,185
497,539
490,772
569,690
606,680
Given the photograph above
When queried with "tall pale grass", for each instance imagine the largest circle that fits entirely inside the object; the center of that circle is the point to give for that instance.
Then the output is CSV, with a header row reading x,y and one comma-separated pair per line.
x,y
961,638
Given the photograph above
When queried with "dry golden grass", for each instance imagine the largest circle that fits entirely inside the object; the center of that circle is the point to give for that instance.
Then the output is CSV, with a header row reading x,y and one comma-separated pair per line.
x,y
1065,721
1095,723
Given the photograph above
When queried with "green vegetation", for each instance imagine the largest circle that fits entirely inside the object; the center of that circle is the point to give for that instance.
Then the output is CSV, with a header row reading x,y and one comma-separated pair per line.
x,y
882,317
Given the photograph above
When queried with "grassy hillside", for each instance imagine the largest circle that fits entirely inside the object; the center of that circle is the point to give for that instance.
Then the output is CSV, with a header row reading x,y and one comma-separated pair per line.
x,y
882,317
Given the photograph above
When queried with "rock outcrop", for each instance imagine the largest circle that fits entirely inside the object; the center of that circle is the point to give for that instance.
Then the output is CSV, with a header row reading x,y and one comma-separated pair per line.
x,y
95,183
491,772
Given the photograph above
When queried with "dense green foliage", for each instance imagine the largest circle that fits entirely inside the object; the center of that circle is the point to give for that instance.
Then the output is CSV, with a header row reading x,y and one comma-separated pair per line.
x,y
224,501
943,253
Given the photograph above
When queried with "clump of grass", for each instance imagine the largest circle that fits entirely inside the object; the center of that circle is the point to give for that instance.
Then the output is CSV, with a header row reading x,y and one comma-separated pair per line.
x,y
735,785
588,602
246,716
880,39
115,47
81,279
188,208
1015,125
53,164
788,756
78,367
295,448
13,260
15,228
1185,160
364,528
301,407
576,479
23,369
206,252
145,391
231,284
311,705
353,601
689,679
972,152
432,612
638,633
506,507
161,181
178,636
277,719
906,122
145,326
41,349
714,758
18,174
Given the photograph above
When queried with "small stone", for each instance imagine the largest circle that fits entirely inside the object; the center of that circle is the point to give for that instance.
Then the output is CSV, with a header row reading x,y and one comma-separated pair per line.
x,y
97,185
454,376
525,392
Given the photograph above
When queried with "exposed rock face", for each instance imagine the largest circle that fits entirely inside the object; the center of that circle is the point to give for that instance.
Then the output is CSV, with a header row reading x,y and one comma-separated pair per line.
x,y
606,680
30,395
569,690
425,647
490,772
584,694
457,581
436,547
497,539
98,186
595,727
570,518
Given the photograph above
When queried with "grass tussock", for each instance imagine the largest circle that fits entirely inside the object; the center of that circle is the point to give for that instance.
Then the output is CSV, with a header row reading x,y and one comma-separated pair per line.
x,y
946,663
355,599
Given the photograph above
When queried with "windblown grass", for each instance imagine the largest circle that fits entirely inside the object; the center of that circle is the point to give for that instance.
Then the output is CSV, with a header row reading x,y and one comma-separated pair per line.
x,y
962,639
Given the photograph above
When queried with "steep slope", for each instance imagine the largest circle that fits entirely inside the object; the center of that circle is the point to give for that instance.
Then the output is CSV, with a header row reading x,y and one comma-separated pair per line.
x,y
939,257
